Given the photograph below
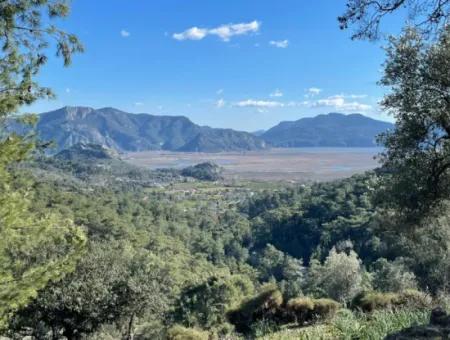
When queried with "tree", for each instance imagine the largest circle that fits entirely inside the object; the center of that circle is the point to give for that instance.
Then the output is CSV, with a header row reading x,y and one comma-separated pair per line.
x,y
286,270
393,276
340,277
113,283
416,162
34,247
428,16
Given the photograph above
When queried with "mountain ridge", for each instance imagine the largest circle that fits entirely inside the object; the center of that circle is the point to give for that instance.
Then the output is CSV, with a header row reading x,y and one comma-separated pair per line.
x,y
123,131
327,130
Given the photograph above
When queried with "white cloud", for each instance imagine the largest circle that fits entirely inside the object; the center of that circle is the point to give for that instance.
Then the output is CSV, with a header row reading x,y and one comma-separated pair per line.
x,y
280,43
138,104
125,34
67,90
262,104
193,33
220,103
277,93
224,32
339,102
314,91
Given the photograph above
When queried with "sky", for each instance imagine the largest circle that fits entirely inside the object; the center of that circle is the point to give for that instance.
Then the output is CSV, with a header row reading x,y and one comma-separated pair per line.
x,y
241,64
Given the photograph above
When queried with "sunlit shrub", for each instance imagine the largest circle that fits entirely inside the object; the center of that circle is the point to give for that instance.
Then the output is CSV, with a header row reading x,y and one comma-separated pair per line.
x,y
413,299
370,301
265,305
183,333
301,309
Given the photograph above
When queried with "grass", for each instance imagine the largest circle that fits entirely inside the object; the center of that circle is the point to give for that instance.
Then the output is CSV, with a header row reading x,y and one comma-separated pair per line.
x,y
348,325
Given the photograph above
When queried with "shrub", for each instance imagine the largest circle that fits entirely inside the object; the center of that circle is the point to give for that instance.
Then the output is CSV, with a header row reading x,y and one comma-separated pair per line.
x,y
183,333
325,308
300,309
265,305
306,310
370,301
414,299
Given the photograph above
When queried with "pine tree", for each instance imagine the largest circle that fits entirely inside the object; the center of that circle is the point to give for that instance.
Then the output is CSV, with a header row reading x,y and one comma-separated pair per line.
x,y
35,248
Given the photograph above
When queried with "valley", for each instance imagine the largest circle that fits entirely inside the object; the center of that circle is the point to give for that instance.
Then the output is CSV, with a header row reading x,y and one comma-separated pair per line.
x,y
277,164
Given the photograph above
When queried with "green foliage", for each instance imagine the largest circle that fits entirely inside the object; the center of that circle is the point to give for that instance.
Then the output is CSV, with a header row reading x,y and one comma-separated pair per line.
x,y
340,277
325,308
372,300
301,308
35,248
182,333
264,306
25,31
417,156
307,310
111,282
348,325
205,305
392,276
207,171
414,299
286,270
310,220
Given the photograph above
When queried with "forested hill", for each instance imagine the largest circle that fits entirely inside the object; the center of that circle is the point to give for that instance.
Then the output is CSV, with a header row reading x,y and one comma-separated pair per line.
x,y
331,130
122,131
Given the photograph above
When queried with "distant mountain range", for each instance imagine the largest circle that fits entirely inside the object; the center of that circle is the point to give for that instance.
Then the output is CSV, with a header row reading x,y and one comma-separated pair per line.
x,y
330,130
122,131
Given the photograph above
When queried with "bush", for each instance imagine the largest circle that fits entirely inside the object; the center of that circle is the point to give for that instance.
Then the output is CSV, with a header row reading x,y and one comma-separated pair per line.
x,y
306,310
413,299
265,305
300,309
325,308
183,333
370,301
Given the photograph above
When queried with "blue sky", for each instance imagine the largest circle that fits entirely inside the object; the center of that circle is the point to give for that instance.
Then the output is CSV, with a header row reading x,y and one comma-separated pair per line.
x,y
242,64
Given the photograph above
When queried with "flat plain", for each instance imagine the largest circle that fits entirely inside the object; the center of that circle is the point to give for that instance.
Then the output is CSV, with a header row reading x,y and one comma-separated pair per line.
x,y
294,164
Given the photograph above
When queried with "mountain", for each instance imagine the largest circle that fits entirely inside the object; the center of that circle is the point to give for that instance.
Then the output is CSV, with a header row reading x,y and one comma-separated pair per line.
x,y
85,152
330,130
216,140
122,131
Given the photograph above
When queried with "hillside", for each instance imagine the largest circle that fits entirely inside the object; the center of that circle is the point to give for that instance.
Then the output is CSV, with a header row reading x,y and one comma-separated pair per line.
x,y
331,130
122,131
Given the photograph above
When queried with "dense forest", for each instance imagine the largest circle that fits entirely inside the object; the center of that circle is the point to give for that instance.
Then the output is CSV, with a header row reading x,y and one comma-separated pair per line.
x,y
94,248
